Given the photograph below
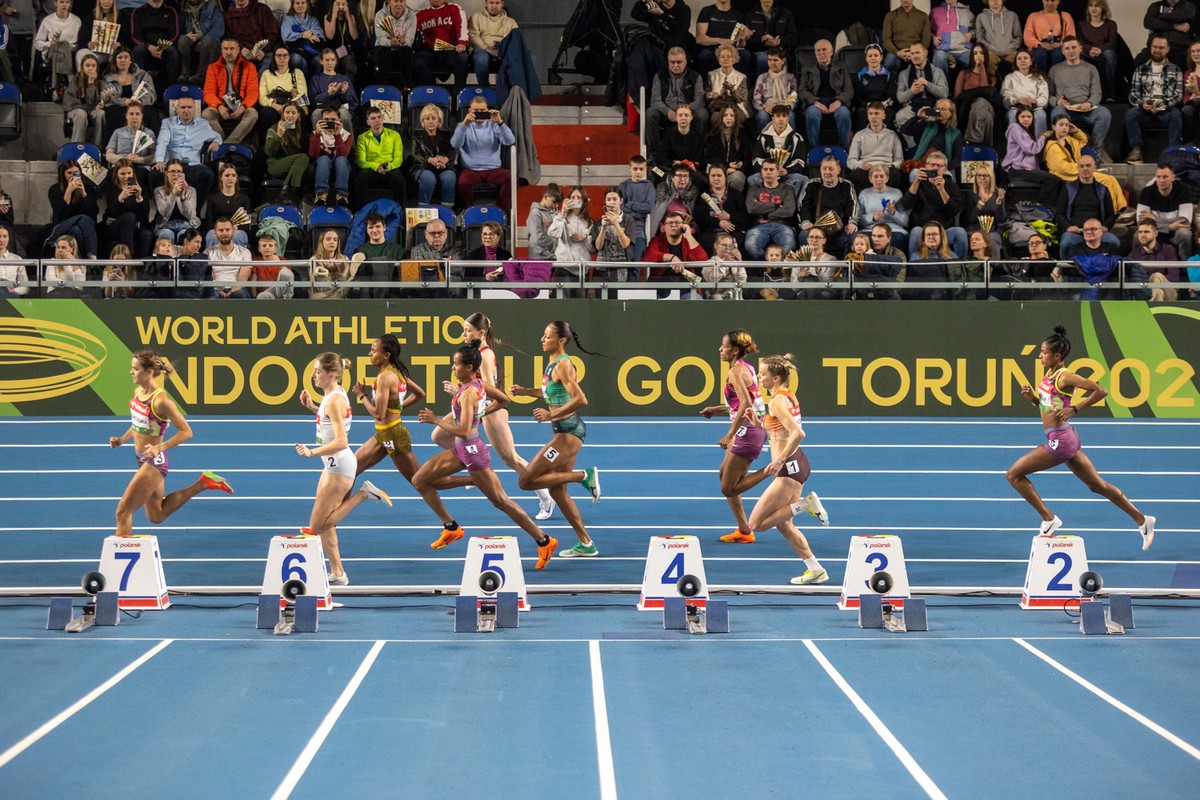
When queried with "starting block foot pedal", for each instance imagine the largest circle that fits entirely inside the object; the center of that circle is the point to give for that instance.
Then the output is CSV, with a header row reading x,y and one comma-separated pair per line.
x,y
870,611
61,614
1120,607
674,614
717,616
508,610
1092,620
915,616
108,609
268,611
466,618
306,613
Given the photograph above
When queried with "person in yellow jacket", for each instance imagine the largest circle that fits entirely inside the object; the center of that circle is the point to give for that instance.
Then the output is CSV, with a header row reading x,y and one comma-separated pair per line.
x,y
487,28
378,152
1062,153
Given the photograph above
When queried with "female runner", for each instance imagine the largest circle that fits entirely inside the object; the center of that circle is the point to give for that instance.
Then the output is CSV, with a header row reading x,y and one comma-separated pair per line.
x,y
151,412
553,466
393,391
782,499
470,452
337,462
1055,399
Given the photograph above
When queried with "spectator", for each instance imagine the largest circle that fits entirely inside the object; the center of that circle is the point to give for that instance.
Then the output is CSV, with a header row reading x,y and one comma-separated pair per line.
x,y
831,195
878,204
332,89
436,248
637,200
614,237
571,232
228,199
252,25
1045,33
723,209
1096,258
443,31
14,279
677,193
1086,197
100,11
330,265
727,85
537,224
884,246
771,25
20,19
1193,273
202,25
230,263
64,275
127,209
953,28
276,282
726,267
779,143
127,83
193,266
775,86
119,273
934,198
936,131
488,28
433,159
1173,19
728,144
772,207
874,83
56,36
875,146
669,21
154,30
278,86
1075,92
345,30
478,139
1148,250
230,93
1191,93
1155,94
826,91
379,153
1168,203
903,27
683,142
815,241
287,156
175,203
329,146
676,86
395,35
929,262
304,36
1098,35
6,208
489,251
998,29
1021,158
975,93
1025,87
74,209
985,200
381,258
918,85
717,25
672,250
83,103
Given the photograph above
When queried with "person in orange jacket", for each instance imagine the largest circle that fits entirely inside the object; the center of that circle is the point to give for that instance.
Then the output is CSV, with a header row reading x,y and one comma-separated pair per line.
x,y
231,93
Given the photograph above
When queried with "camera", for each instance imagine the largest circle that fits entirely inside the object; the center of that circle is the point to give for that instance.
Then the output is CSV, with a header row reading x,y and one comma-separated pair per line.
x,y
328,124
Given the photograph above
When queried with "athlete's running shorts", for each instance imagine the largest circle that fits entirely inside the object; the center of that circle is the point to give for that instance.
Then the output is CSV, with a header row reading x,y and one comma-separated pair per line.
x,y
748,442
573,425
1062,443
160,462
340,463
394,437
796,467
473,453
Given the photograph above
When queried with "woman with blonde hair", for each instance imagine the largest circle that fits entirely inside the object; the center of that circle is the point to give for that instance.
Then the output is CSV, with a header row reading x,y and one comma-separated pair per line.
x,y
119,272
329,264
433,159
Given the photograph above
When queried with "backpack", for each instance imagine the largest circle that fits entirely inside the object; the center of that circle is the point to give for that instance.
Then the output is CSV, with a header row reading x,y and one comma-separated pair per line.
x,y
1029,211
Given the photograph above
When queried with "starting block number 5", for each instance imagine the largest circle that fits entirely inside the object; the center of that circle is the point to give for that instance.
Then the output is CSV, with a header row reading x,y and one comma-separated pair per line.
x,y
498,554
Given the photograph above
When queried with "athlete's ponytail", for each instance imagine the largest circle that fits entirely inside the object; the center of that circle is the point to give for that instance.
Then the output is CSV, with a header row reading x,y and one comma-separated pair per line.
x,y
153,361
469,354
334,364
1058,343
391,346
780,366
564,331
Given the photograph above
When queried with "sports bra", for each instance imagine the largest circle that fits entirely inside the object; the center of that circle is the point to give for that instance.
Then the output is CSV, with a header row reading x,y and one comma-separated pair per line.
x,y
143,418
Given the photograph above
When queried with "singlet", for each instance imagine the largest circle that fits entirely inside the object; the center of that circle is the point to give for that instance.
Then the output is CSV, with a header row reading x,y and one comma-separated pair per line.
x,y
553,391
770,423
455,408
401,390
731,395
142,417
324,424
495,375
1050,397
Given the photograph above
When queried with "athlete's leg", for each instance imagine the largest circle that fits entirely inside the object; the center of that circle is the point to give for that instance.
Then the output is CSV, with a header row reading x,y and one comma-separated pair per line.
x,y
489,483
544,472
500,437
793,536
1035,460
775,505
442,437
733,469
331,488
368,455
145,487
1083,468
408,466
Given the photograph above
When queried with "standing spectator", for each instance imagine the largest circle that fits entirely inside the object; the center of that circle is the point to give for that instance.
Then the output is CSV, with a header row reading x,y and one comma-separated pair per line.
x,y
1172,19
918,85
478,139
1155,94
1149,250
304,36
1098,35
83,104
1026,88
537,224
127,83
875,146
674,87
184,137
395,35
175,203
775,86
771,25
772,207
379,153
677,193
571,231
903,27
73,208
975,93
488,28
715,26
443,31
433,159
332,89
936,129
230,263
1075,92
953,29
330,147
201,27
127,209
637,200
832,194
934,198
278,86
1000,30
826,90
55,41
344,31
1168,203
21,19
1083,199
613,238
252,25
154,29
287,155
1045,32
230,93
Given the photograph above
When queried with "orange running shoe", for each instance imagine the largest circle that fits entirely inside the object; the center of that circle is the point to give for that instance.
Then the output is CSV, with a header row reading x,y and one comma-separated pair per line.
x,y
212,480
546,552
449,536
737,537
307,531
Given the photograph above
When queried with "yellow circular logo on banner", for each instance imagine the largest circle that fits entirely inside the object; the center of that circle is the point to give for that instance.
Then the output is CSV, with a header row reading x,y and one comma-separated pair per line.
x,y
28,343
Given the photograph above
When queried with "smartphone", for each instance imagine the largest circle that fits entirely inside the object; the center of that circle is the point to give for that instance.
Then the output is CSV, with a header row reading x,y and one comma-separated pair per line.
x,y
130,182
289,125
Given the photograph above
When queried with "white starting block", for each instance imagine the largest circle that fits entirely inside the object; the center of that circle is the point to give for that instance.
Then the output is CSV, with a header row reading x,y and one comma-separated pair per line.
x,y
1055,565
680,613
870,555
669,559
875,611
498,554
1094,618
134,565
298,614
300,557
487,608
102,608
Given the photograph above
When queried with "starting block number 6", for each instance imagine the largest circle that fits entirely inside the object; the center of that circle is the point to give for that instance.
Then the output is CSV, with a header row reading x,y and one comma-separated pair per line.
x,y
292,568
132,558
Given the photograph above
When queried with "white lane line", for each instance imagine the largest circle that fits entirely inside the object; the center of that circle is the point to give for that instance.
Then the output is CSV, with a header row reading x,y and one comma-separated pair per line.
x,y
873,719
194,444
611,471
608,778
509,527
1114,702
318,738
23,745
642,498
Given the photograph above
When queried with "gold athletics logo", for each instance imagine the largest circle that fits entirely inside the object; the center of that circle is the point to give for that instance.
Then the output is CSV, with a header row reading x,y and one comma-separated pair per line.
x,y
27,343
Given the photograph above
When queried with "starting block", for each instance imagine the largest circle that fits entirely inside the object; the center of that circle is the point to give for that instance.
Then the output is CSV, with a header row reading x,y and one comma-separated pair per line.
x,y
133,564
299,558
670,559
498,554
875,611
870,555
1094,618
101,609
682,613
1056,563
488,610
298,614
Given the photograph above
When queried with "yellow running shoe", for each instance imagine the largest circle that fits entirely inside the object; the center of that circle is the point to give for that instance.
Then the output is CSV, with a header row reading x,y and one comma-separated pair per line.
x,y
737,537
449,536
546,552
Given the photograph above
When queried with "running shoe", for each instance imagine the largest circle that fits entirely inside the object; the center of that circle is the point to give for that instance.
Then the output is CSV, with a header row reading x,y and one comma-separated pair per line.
x,y
339,580
307,531
820,576
376,494
591,482
812,504
212,480
1147,531
546,504
546,552
737,537
1050,526
580,550
449,536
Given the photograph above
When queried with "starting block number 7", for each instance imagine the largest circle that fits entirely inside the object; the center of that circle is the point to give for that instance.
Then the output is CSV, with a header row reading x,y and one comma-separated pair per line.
x,y
132,558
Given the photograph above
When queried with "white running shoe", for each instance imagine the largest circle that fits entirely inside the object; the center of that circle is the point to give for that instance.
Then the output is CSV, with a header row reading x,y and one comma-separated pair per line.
x,y
546,504
1050,526
1147,531
812,504
339,580
820,576
375,493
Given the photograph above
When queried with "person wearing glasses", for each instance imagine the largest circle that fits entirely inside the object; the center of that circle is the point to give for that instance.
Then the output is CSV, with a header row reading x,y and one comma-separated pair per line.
x,y
1080,200
436,247
490,250
175,203
184,137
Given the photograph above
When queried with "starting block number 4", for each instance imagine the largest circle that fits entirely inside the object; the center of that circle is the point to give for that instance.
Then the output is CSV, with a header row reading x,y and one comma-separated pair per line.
x,y
297,557
868,555
132,565
501,555
1055,564
669,559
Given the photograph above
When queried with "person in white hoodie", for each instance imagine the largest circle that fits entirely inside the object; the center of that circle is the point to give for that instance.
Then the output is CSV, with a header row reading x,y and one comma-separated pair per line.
x,y
1025,87
55,41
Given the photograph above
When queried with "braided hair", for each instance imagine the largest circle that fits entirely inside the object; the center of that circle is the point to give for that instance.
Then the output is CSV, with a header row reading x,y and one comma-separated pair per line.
x,y
391,345
564,331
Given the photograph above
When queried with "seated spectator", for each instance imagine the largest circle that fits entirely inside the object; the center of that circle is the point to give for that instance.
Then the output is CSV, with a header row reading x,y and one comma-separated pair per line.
x,y
771,25
1045,33
723,209
805,272
774,87
228,199
1155,94
726,268
83,104
6,208
717,25
772,207
985,202
1021,160
953,27
127,209
826,91
683,142
329,146
74,208
100,11
981,251
571,232
672,249
287,154
433,159
875,146
1191,93
727,85
303,34
936,129
779,143
64,275
1098,34
14,279
1096,259
253,26
443,31
278,86
478,139
1075,92
614,238
275,281
202,25
1087,197
903,27
728,144
1042,266
332,89
1065,152
55,41
230,263
381,258
125,84
395,35
1147,251
874,83
976,96
193,265
1174,19
918,86
118,273
537,224
1168,203
830,198
879,204
884,250
677,193
345,32
998,29
638,197
159,267
153,30
488,28
489,250
231,93
1024,87
934,198
674,87
329,264
436,248
175,203
379,154
929,262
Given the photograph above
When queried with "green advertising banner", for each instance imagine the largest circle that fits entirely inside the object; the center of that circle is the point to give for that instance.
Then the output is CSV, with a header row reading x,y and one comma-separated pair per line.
x,y
656,358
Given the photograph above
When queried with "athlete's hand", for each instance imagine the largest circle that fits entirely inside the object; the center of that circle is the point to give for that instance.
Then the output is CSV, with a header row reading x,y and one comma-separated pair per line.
x,y
774,467
541,415
304,451
305,400
517,391
115,441
1027,392
152,451
708,411
449,387
1064,414
425,415
723,442
360,389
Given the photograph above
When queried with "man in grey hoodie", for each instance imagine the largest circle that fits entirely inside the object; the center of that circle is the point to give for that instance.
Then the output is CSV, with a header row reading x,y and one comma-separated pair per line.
x,y
541,214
